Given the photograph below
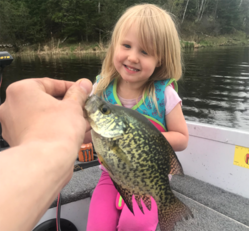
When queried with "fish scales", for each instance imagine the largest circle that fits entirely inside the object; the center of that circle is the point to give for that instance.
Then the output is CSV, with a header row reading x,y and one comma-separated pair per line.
x,y
137,157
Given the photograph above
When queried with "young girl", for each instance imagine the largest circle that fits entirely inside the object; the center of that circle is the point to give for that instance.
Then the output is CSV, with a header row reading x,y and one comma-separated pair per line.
x,y
140,71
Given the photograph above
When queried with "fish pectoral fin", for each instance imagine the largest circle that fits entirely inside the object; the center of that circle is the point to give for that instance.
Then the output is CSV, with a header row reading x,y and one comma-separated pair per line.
x,y
120,154
117,137
172,211
102,161
175,165
125,194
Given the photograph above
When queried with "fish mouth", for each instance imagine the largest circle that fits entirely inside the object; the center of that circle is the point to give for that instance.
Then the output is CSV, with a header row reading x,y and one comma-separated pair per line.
x,y
85,114
85,110
89,109
91,105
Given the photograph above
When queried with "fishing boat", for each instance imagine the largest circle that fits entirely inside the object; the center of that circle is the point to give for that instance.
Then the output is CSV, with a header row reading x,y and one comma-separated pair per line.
x,y
215,185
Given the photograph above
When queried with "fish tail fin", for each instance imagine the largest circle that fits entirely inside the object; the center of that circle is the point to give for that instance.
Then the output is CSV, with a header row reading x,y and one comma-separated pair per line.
x,y
170,214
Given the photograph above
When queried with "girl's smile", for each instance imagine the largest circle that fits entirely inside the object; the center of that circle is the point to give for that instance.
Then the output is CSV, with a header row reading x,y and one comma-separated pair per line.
x,y
131,69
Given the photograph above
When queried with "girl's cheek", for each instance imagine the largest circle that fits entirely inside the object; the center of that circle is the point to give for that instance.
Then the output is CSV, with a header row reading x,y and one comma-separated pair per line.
x,y
117,58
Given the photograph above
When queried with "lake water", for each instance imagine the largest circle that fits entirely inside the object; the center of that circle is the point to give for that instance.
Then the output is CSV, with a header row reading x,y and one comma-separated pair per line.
x,y
214,88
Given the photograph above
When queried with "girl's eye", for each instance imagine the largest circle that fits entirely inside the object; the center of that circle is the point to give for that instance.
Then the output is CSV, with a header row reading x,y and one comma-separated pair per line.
x,y
144,52
105,110
126,45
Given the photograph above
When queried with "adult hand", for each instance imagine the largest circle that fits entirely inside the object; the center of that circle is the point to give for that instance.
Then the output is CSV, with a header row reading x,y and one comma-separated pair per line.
x,y
32,112
45,134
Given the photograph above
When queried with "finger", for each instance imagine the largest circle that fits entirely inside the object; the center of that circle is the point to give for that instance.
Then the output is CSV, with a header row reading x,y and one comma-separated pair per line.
x,y
79,91
54,87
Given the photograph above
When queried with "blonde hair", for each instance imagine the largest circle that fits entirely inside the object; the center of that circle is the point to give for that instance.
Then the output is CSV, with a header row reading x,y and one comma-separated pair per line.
x,y
158,37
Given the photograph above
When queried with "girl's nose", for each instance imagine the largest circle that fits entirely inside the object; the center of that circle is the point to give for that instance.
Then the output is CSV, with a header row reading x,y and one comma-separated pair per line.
x,y
133,57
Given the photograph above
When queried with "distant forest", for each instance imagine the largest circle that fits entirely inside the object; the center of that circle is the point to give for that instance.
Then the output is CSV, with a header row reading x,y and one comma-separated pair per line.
x,y
74,21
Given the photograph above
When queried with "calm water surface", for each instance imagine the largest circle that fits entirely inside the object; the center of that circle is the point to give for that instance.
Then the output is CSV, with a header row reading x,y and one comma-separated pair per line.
x,y
214,88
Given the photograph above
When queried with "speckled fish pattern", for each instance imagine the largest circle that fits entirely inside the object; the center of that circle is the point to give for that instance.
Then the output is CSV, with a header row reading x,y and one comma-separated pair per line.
x,y
138,159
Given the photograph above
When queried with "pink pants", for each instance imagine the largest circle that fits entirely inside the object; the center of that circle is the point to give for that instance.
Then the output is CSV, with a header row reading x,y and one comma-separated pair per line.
x,y
104,216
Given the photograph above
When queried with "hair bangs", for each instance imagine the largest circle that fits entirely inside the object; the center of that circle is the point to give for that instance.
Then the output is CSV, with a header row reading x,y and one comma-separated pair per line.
x,y
147,37
150,29
124,28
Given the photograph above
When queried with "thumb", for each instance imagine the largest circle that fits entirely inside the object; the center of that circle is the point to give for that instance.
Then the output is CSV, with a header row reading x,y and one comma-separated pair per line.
x,y
79,91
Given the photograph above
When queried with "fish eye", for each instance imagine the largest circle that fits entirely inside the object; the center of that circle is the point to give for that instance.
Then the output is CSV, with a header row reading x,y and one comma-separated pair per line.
x,y
105,110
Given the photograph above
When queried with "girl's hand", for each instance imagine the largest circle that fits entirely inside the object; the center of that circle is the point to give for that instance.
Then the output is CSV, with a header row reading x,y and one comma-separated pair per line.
x,y
177,134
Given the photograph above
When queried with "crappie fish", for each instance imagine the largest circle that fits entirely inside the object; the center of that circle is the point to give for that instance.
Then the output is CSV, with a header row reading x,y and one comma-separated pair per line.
x,y
137,157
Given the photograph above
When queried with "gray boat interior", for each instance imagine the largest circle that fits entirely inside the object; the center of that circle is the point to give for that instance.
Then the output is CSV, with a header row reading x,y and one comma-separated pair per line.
x,y
214,209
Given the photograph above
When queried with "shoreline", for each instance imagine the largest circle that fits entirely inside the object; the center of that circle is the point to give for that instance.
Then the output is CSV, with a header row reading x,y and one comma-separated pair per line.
x,y
187,42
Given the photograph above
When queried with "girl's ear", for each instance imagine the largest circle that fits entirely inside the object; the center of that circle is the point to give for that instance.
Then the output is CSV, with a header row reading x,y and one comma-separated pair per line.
x,y
158,64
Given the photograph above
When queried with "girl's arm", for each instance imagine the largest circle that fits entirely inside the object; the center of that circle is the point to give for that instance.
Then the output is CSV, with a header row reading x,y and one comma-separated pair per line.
x,y
177,134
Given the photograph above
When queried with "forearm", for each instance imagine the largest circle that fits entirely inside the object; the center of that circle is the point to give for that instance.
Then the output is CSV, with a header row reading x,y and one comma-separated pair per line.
x,y
177,140
40,178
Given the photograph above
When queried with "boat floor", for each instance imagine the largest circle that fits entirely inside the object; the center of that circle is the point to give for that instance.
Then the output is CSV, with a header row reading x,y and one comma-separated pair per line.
x,y
213,208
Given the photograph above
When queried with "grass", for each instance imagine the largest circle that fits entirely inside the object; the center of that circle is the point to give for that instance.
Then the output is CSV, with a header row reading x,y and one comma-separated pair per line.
x,y
72,48
204,40
55,47
188,42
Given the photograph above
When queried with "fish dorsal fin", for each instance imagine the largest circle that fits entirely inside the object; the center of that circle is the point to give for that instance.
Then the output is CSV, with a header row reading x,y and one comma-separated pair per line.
x,y
175,165
125,194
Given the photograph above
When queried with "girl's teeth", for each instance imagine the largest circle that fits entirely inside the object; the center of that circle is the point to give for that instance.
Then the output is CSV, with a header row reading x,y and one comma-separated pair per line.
x,y
131,69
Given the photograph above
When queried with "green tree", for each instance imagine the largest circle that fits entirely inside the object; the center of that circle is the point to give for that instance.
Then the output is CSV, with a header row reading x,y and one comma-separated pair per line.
x,y
39,27
228,15
14,22
23,21
73,19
